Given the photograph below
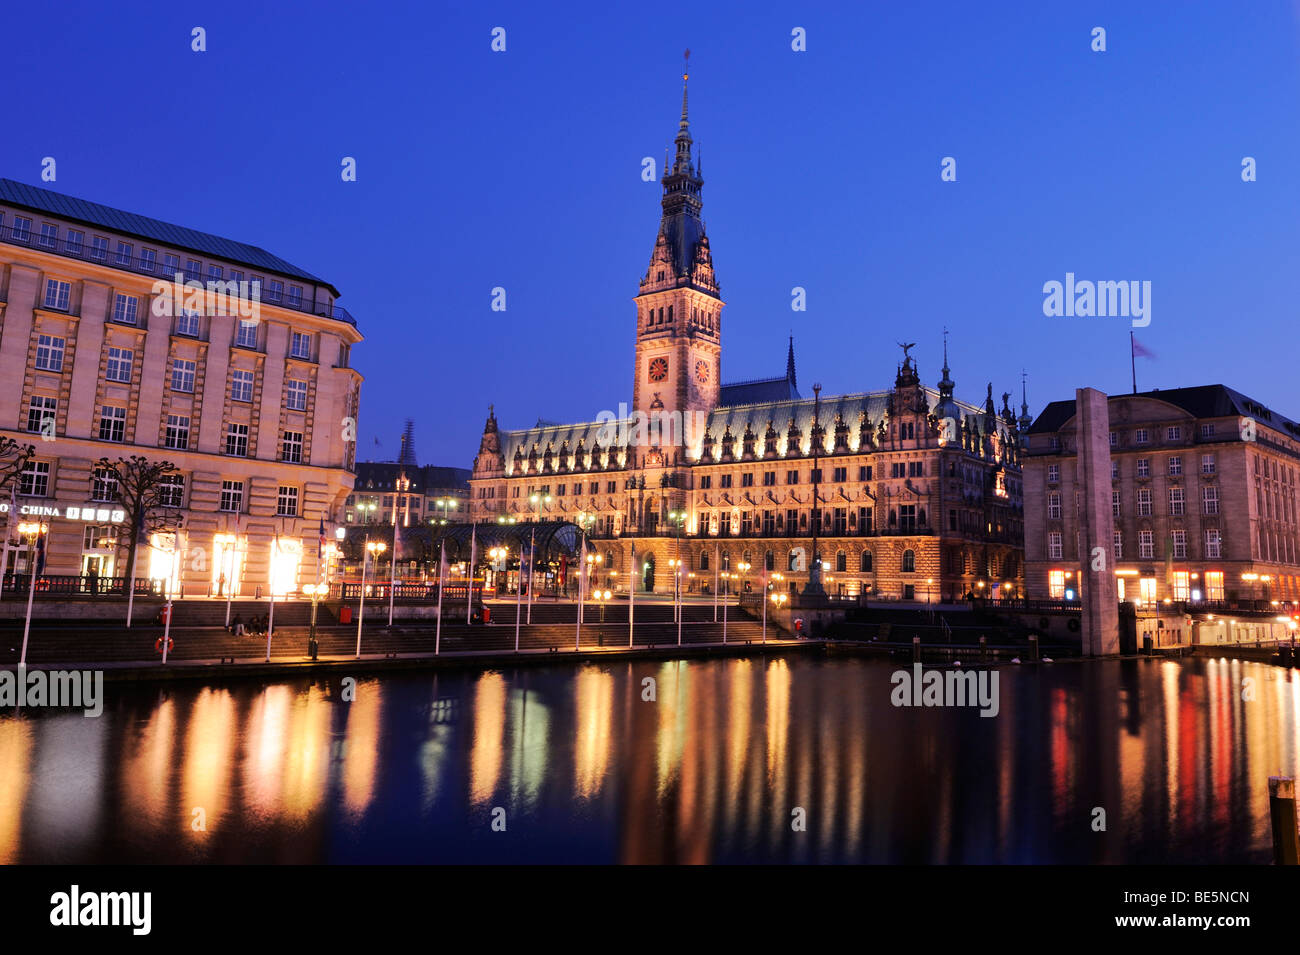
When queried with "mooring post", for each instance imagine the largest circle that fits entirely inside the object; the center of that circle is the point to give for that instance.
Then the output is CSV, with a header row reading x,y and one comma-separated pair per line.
x,y
1033,645
916,649
1281,807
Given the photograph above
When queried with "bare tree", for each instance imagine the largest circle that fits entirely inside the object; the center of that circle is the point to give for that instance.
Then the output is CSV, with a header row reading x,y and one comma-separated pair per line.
x,y
142,487
14,459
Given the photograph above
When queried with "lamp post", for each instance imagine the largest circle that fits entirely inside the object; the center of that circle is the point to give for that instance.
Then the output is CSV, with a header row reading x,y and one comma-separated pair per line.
x,y
372,548
778,601
538,500
33,531
726,576
227,542
602,597
584,566
446,504
315,591
677,518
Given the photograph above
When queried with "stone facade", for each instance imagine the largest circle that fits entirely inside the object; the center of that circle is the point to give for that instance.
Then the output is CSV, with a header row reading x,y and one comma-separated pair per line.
x,y
1203,497
248,391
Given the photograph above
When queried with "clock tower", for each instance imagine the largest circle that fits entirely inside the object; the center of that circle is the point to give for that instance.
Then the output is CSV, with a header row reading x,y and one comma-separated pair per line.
x,y
678,307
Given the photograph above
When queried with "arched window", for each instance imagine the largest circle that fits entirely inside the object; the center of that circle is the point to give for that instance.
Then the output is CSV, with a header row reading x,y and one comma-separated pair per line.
x,y
704,560
909,562
893,517
841,562
745,558
866,562
670,314
769,561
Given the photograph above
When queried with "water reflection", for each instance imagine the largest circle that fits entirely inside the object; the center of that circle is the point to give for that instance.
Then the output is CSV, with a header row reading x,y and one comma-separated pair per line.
x,y
783,760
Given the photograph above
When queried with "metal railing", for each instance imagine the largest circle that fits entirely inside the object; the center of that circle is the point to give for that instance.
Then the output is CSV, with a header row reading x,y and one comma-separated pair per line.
x,y
63,585
156,268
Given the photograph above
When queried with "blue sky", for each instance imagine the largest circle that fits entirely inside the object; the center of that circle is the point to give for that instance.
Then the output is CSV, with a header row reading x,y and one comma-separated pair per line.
x,y
522,170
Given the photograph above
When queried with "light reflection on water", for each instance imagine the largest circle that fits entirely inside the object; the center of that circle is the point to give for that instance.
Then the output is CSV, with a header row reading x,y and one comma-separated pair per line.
x,y
588,768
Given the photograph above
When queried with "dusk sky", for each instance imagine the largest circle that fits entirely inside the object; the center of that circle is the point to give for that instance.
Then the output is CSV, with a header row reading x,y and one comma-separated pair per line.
x,y
522,170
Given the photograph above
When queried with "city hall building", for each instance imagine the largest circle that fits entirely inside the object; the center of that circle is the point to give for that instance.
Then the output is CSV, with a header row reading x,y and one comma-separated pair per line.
x,y
1203,495
911,493
121,335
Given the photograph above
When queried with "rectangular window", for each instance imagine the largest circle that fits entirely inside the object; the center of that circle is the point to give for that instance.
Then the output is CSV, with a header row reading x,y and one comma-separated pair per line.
x,y
725,481
177,434
148,260
611,487
216,273
1114,503
112,423
286,501
124,253
171,265
1173,433
237,440
1140,436
22,228
41,409
839,475
246,336
49,352
57,294
791,477
49,235
1207,464
1117,544
183,375
125,309
73,243
98,248
1054,551
1210,499
187,323
1114,439
171,490
300,346
291,449
1053,474
1214,581
119,364
1054,506
1213,544
295,398
232,496
1175,465
295,296
864,472
193,269
1177,502
274,290
241,385
1146,545
706,482
34,481
1144,502
1144,467
1056,584
1180,547
103,485
747,479
1207,430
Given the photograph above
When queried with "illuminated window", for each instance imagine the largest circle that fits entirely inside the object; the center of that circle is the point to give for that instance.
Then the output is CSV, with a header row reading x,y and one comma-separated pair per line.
x,y
1056,584
1181,584
1148,590
1214,585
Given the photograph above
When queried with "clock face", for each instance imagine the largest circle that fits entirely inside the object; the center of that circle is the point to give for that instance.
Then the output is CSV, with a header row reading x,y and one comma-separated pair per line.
x,y
702,372
658,369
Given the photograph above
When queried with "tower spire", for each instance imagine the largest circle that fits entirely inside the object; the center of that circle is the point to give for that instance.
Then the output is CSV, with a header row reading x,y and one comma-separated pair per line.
x,y
789,364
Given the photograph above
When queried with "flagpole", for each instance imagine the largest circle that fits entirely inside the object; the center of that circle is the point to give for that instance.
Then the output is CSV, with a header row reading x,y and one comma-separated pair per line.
x,y
631,595
442,563
469,600
135,559
1132,357
9,527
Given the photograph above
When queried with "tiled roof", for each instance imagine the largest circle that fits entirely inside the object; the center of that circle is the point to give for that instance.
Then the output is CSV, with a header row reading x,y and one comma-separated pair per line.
x,y
752,392
129,223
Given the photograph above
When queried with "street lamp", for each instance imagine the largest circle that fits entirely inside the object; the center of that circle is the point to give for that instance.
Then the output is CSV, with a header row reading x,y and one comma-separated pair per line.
x,y
33,531
602,597
538,500
446,504
315,591
676,567
366,510
726,575
373,549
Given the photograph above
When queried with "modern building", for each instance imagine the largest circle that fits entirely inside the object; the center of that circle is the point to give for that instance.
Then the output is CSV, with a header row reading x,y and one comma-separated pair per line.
x,y
910,493
1203,494
123,335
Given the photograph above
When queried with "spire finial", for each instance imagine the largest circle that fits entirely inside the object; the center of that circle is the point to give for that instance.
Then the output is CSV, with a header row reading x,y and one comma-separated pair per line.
x,y
789,364
945,349
686,75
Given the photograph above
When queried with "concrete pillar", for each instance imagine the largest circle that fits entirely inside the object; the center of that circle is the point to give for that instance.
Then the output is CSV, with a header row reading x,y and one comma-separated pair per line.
x,y
1098,591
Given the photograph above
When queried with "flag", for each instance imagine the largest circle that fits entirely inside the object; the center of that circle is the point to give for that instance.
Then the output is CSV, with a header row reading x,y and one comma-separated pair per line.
x,y
322,534
40,554
1140,350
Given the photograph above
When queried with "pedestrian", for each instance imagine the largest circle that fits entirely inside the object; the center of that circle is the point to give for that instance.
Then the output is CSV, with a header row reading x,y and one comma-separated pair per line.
x,y
221,584
237,626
